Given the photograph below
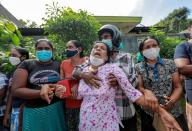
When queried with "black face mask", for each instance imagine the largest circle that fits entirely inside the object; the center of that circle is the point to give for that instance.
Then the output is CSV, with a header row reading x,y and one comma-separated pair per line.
x,y
71,53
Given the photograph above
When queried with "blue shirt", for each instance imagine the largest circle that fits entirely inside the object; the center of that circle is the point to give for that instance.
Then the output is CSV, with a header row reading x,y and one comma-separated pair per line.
x,y
184,50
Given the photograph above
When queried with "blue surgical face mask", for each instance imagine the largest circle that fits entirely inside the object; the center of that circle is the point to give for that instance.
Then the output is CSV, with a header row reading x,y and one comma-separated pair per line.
x,y
44,55
108,42
121,46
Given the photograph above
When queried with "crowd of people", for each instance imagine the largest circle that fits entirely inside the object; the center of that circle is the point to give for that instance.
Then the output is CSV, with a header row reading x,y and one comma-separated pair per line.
x,y
104,87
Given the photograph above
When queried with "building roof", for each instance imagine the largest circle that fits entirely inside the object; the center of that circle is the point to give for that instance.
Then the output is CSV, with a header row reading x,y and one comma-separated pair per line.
x,y
33,31
144,29
124,23
40,31
6,14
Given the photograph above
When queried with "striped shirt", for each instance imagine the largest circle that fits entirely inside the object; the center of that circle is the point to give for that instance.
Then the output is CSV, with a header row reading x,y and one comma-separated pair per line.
x,y
125,107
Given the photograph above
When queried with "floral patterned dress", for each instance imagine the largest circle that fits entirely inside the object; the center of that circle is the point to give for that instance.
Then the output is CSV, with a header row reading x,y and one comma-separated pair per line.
x,y
98,110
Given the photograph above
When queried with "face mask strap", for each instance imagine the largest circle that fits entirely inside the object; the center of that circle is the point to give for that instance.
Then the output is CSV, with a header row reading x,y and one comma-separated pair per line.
x,y
77,52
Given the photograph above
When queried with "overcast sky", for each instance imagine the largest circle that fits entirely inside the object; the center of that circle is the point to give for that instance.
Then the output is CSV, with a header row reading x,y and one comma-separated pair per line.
x,y
151,10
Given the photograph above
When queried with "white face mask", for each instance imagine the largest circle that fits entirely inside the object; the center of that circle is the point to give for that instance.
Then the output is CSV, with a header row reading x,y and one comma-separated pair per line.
x,y
151,53
14,60
96,61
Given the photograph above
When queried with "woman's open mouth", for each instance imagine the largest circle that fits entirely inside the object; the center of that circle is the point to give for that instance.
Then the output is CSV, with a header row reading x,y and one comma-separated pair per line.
x,y
97,54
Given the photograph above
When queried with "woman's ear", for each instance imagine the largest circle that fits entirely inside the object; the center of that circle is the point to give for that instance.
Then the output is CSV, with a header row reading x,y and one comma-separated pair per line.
x,y
80,49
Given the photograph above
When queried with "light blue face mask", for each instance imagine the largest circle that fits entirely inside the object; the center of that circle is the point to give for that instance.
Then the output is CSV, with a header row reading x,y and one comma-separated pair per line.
x,y
120,46
108,42
44,55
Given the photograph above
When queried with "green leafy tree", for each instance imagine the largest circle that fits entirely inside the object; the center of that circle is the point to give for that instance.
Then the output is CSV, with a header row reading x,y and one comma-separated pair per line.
x,y
9,36
168,44
64,24
176,21
28,43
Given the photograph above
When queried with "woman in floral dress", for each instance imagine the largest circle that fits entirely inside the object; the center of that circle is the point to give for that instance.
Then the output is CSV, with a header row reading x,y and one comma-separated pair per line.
x,y
98,110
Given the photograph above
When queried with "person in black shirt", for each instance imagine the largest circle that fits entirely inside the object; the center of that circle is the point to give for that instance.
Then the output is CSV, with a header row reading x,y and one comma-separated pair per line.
x,y
30,81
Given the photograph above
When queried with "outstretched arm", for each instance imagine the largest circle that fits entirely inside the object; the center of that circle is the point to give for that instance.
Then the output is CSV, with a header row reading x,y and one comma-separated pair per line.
x,y
136,96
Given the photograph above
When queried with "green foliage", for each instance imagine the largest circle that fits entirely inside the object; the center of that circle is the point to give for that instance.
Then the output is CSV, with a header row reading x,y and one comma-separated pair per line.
x,y
168,47
29,44
5,66
168,44
9,37
64,24
9,34
176,21
160,35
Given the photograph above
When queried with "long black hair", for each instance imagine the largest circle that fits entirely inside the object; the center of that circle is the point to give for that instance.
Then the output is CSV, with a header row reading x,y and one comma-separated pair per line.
x,y
23,52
